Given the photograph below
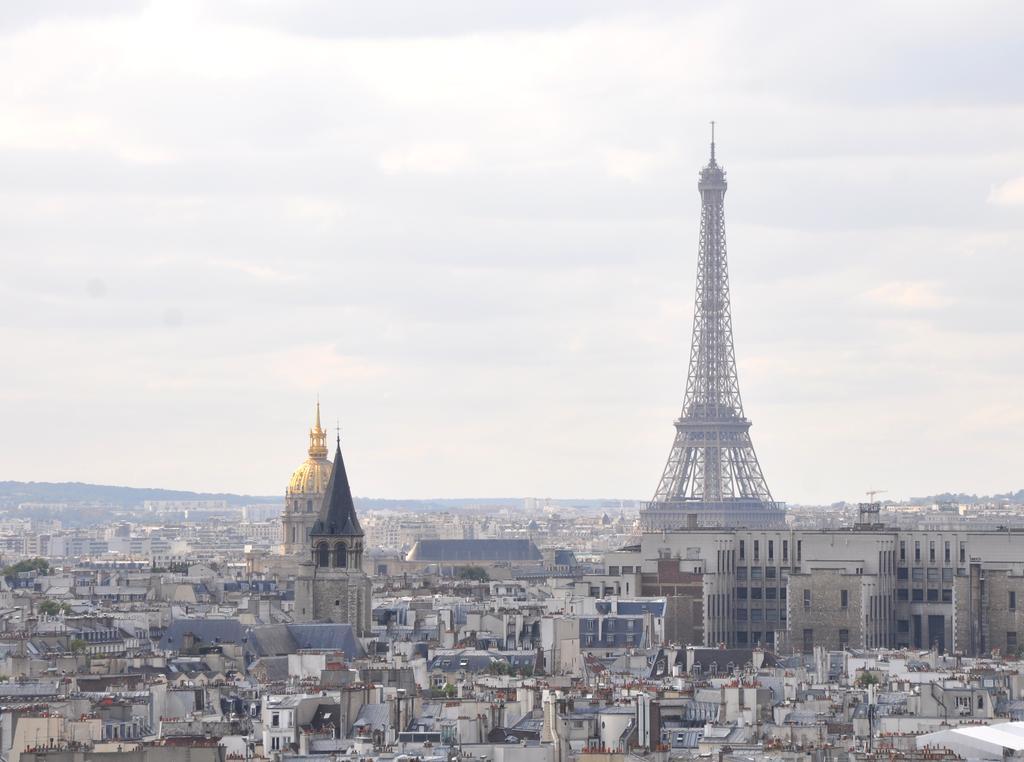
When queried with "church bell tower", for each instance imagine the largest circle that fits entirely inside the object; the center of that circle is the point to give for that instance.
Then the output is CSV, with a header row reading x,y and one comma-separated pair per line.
x,y
332,586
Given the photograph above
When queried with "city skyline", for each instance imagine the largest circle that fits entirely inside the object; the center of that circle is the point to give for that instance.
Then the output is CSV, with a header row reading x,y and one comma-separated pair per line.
x,y
487,271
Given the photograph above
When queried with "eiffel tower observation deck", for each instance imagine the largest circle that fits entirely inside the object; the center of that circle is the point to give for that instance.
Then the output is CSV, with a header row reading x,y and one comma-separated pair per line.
x,y
712,477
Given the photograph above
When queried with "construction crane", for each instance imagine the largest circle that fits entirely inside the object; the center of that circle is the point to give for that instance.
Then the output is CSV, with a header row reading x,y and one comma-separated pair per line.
x,y
872,492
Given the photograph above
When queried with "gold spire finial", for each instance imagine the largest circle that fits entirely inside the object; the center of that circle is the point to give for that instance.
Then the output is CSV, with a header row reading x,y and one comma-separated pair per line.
x,y
317,436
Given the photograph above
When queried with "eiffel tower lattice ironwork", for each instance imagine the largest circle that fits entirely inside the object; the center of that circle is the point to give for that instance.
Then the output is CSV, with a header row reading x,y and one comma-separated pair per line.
x,y
712,477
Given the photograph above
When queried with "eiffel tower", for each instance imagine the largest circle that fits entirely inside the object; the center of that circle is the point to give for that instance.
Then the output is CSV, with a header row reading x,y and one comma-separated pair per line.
x,y
712,477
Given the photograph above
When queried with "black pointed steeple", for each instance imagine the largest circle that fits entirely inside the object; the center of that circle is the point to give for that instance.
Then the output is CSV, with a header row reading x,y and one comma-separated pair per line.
x,y
338,512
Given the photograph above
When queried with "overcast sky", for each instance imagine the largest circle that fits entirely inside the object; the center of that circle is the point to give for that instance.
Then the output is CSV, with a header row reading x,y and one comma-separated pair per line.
x,y
472,228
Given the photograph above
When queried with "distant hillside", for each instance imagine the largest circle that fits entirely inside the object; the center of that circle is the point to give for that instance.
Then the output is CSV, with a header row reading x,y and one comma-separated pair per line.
x,y
12,493
964,498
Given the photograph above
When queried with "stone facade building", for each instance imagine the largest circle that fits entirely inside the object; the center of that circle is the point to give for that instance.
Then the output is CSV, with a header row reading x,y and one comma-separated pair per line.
x,y
332,586
870,586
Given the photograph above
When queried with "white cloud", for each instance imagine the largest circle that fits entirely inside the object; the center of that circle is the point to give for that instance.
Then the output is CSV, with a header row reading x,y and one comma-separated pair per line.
x,y
1010,193
478,227
921,295
426,158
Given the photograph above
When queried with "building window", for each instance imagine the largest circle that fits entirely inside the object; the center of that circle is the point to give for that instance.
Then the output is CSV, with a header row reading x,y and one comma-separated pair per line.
x,y
275,720
756,593
1011,643
931,551
799,550
902,594
741,593
933,595
917,550
963,552
757,550
946,550
844,599
309,506
903,550
808,641
901,573
947,595
1013,600
807,599
743,550
323,555
771,550
340,555
785,550
844,639
918,595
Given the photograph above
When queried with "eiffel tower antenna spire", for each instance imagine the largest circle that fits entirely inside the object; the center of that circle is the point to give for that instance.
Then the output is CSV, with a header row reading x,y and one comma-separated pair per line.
x,y
712,476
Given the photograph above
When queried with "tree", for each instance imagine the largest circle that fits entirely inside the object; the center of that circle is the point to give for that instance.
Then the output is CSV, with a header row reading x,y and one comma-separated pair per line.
x,y
29,564
52,608
474,573
499,667
449,690
866,679
78,645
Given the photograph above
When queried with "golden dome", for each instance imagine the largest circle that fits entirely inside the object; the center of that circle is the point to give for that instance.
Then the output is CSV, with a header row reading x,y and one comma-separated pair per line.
x,y
311,477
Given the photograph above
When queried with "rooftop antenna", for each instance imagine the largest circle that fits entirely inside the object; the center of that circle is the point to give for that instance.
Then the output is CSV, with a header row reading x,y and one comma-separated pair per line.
x,y
337,429
712,141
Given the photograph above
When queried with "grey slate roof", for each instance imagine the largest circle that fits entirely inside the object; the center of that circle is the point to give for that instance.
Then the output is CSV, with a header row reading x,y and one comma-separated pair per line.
x,y
632,608
207,632
372,717
282,639
24,690
337,512
474,550
276,667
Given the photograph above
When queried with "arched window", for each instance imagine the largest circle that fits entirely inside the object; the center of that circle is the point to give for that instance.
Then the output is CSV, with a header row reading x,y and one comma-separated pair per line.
x,y
295,505
323,555
309,506
340,555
